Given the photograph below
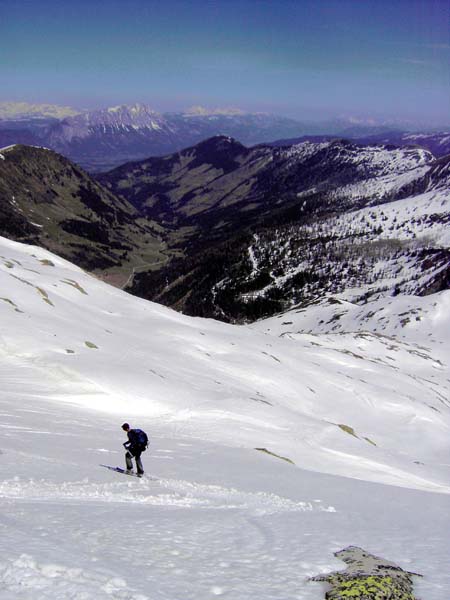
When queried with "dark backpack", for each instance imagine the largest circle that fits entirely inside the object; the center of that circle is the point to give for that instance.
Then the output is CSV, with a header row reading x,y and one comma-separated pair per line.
x,y
141,439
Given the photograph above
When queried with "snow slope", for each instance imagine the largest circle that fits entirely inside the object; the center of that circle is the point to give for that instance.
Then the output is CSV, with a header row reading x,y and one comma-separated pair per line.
x,y
364,417
399,247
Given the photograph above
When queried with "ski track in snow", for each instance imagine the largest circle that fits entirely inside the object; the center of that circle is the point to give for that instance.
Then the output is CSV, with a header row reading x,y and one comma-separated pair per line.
x,y
179,494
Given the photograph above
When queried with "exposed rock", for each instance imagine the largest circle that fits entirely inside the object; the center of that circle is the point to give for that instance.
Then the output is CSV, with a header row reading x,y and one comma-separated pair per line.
x,y
368,577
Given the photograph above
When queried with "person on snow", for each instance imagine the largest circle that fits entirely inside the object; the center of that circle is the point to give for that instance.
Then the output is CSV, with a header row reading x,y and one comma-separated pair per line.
x,y
136,444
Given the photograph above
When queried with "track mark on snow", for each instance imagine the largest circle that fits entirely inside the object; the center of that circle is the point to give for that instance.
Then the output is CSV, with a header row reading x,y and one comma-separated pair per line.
x,y
164,492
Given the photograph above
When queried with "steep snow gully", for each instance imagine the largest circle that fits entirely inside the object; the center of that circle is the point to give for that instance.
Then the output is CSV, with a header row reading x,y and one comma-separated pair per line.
x,y
362,413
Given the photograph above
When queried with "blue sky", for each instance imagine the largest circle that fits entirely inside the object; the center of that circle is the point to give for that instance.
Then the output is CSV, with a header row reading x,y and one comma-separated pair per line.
x,y
306,59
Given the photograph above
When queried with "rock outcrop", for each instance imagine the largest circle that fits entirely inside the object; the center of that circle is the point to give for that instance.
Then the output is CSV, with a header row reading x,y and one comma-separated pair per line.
x,y
368,577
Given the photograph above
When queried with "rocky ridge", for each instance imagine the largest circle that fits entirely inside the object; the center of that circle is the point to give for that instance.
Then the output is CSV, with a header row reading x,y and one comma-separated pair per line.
x,y
49,201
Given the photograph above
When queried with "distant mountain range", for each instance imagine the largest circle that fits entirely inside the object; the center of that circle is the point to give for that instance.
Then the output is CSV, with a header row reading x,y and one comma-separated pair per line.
x,y
24,110
237,233
102,139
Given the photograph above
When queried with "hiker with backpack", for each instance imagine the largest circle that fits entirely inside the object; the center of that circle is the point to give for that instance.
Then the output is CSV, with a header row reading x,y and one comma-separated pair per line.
x,y
136,444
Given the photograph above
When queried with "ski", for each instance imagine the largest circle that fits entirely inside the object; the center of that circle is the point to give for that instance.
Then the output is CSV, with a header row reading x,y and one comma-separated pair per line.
x,y
120,470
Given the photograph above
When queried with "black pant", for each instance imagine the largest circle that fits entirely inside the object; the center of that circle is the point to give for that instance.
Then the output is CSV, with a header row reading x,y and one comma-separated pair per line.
x,y
137,455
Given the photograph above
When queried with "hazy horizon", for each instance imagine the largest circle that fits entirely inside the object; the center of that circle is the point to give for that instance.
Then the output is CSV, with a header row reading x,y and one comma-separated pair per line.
x,y
309,60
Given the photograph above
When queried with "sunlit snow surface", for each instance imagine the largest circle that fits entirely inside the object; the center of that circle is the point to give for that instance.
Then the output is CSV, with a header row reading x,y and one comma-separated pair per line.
x,y
362,411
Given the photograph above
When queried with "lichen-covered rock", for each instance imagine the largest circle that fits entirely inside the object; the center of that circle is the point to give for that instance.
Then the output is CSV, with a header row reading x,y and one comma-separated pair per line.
x,y
368,577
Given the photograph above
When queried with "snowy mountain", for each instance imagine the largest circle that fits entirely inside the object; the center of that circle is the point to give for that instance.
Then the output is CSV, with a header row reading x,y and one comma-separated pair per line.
x,y
219,177
400,246
362,412
436,142
116,119
101,139
238,233
25,123
264,229
11,111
